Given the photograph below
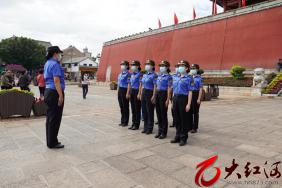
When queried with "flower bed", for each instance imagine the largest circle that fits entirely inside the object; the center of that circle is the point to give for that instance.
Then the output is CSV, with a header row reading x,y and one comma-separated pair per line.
x,y
229,81
39,107
15,102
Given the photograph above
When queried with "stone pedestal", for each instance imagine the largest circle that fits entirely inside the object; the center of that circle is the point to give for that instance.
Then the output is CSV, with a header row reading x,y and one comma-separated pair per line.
x,y
256,92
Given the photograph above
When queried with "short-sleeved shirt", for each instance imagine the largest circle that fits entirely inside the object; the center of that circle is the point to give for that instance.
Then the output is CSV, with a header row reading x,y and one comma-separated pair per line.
x,y
197,83
182,85
123,79
53,69
135,80
164,81
174,77
40,80
62,78
149,80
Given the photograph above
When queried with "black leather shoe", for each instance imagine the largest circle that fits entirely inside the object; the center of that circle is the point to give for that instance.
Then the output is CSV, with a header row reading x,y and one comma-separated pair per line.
x,y
135,128
171,126
162,137
175,141
130,127
157,123
121,124
58,146
157,135
149,132
124,125
143,131
182,143
194,131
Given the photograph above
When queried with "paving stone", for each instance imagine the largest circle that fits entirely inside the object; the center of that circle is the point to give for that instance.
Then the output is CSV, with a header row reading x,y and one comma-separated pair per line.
x,y
33,182
124,164
139,154
66,178
108,178
162,164
149,177
99,153
257,150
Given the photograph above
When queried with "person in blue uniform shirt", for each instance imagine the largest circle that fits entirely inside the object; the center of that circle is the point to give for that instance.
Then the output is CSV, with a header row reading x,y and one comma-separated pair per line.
x,y
135,80
163,93
197,95
174,76
54,95
147,91
123,92
182,103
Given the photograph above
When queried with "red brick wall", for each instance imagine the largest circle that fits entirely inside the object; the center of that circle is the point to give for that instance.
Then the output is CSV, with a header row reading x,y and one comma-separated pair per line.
x,y
252,40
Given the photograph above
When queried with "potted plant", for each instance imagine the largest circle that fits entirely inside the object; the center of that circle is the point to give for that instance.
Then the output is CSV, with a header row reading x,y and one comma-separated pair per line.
x,y
113,85
15,102
39,107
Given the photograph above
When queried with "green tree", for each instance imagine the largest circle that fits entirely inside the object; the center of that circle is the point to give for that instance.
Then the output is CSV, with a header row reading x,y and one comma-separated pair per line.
x,y
22,51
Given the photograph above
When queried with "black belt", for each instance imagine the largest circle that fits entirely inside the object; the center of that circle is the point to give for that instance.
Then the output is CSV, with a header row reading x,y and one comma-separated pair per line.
x,y
180,95
161,91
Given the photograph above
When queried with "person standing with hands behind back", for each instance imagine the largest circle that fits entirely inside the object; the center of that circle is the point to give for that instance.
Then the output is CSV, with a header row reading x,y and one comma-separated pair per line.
x,y
197,95
54,95
134,83
182,103
146,93
123,92
164,83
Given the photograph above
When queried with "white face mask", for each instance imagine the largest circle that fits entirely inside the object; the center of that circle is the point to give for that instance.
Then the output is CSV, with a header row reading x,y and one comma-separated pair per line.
x,y
176,70
148,68
163,69
60,57
193,72
134,68
122,67
181,70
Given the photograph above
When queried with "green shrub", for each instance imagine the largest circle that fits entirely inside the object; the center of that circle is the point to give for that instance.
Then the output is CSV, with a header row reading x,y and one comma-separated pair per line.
x,y
201,71
270,77
15,90
237,72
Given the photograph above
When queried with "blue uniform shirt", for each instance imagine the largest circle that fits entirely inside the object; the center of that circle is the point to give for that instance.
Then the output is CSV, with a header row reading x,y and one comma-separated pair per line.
x,y
197,84
174,77
62,79
53,69
182,85
149,80
123,79
164,81
135,80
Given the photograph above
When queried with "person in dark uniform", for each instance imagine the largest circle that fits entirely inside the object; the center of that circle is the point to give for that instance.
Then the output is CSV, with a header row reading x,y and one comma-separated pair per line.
x,y
123,92
164,83
196,98
174,76
135,80
182,103
147,94
54,95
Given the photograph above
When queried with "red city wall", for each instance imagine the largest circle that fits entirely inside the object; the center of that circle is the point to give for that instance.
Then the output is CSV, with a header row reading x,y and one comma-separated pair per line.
x,y
252,40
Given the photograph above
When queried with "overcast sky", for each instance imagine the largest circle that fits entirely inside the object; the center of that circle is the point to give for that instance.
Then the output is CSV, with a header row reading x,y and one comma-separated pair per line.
x,y
91,22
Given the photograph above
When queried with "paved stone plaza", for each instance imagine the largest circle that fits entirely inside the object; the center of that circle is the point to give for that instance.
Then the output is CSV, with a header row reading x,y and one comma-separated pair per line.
x,y
99,153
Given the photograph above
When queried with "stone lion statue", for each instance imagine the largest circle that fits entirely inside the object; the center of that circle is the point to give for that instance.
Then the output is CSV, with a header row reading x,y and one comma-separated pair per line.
x,y
259,78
